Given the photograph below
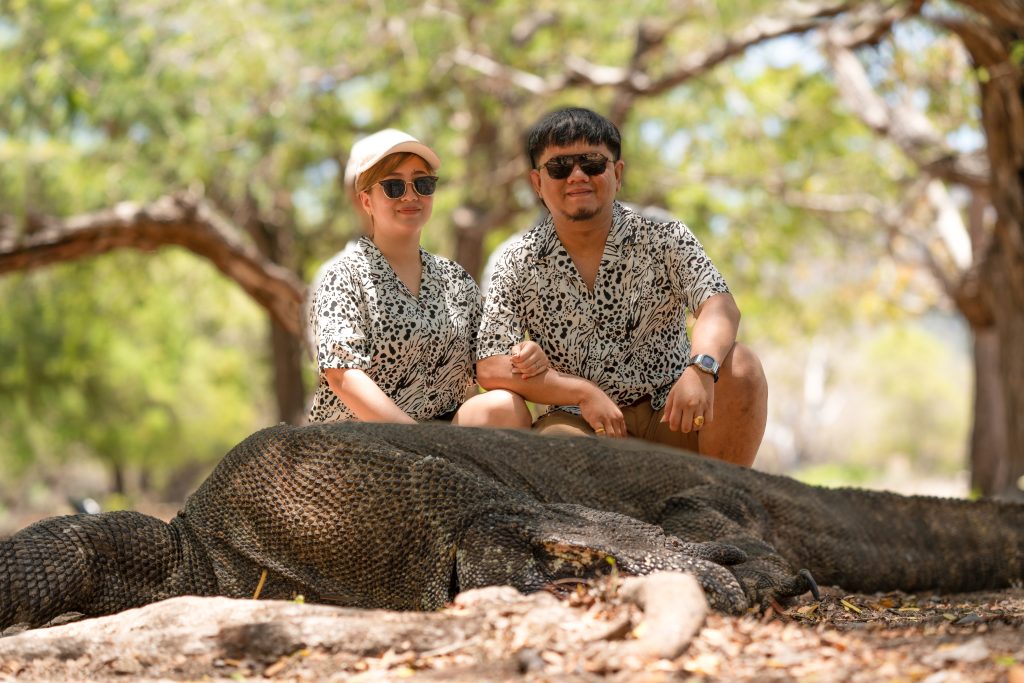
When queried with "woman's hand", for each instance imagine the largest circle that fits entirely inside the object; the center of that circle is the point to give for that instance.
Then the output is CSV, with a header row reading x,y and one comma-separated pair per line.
x,y
528,359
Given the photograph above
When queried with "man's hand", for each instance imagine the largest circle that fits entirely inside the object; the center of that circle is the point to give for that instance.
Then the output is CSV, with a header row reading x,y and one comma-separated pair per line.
x,y
601,413
528,359
691,397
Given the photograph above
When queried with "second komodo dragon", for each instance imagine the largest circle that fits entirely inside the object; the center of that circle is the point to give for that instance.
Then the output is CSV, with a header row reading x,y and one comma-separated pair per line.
x,y
404,517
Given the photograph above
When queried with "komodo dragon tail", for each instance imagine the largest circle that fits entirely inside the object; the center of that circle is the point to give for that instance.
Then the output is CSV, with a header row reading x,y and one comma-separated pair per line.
x,y
97,564
876,541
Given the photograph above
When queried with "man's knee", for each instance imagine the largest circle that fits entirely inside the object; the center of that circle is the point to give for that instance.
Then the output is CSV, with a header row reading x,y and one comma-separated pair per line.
x,y
744,373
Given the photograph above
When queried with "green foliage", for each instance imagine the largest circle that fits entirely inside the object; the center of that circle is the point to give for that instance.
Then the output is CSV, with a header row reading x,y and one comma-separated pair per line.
x,y
835,474
141,378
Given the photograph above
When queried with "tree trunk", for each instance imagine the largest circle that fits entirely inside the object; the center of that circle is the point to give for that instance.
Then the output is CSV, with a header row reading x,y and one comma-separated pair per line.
x,y
1002,114
274,240
1009,330
289,389
120,480
990,455
469,239
974,296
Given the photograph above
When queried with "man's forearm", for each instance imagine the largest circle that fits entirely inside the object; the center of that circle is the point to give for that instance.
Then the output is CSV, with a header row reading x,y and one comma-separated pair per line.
x,y
550,387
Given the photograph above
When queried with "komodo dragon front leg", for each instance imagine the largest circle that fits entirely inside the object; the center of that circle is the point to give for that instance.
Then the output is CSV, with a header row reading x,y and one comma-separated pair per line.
x,y
554,541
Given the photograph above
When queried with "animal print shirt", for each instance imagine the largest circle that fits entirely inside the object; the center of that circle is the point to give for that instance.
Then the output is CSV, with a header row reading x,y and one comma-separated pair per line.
x,y
419,350
628,336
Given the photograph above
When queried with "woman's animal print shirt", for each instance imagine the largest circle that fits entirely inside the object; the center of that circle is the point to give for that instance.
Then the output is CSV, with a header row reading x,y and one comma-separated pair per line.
x,y
419,350
628,336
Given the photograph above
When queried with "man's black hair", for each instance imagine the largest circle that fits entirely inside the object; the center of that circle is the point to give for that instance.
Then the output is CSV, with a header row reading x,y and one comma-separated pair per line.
x,y
563,127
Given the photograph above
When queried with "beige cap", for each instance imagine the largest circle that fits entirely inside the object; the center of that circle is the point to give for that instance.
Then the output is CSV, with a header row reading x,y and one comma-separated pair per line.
x,y
371,149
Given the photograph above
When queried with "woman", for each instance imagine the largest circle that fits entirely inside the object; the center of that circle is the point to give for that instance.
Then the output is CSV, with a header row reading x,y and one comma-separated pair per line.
x,y
394,326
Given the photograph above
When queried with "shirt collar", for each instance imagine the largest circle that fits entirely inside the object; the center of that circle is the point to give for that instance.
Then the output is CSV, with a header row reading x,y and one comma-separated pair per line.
x,y
378,260
541,241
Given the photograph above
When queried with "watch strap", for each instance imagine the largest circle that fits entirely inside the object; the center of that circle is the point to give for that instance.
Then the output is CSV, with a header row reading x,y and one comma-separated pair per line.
x,y
706,364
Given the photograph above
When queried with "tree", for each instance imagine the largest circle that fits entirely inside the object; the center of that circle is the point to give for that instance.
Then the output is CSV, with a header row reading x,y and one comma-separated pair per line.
x,y
983,270
993,34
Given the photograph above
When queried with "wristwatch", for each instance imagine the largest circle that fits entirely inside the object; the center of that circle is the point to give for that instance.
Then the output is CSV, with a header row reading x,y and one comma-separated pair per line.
x,y
705,363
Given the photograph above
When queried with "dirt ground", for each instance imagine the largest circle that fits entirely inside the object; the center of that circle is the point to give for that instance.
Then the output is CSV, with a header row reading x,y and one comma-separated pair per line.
x,y
895,638
977,638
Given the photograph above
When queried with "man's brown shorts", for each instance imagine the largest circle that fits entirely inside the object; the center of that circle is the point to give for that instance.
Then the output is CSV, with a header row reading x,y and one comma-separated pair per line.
x,y
642,421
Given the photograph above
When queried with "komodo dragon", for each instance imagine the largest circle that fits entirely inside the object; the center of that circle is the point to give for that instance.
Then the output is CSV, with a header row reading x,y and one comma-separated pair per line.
x,y
404,517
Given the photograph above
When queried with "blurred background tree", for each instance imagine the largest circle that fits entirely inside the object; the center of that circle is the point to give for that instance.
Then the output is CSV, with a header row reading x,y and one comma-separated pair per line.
x,y
836,158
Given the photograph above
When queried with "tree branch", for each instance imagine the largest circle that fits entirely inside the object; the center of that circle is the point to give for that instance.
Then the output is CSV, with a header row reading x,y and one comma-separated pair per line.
x,y
911,131
806,16
985,47
866,24
1008,13
181,219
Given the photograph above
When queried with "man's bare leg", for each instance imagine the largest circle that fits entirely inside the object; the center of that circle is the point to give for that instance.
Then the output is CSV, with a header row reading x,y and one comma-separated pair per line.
x,y
741,409
561,423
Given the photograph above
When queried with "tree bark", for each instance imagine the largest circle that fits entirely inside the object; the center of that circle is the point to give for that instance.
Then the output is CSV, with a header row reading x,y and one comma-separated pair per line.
x,y
181,220
469,239
992,40
289,389
274,241
989,449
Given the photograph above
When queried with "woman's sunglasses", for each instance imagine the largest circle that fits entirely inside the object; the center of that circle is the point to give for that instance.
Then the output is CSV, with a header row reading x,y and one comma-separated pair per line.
x,y
395,189
561,167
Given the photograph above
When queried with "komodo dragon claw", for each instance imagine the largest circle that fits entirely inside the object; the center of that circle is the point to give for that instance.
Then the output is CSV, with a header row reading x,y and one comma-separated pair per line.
x,y
812,585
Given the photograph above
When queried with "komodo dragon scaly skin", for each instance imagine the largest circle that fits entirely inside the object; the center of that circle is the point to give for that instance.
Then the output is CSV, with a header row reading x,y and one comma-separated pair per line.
x,y
404,517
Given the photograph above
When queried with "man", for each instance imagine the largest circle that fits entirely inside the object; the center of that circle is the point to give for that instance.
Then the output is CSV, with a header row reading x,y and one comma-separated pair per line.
x,y
605,291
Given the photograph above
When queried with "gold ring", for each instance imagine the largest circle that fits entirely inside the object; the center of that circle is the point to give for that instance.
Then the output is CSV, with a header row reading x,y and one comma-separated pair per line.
x,y
599,430
698,421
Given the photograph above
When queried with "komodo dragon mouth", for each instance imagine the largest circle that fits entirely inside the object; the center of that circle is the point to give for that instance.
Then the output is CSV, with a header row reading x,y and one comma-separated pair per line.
x,y
403,516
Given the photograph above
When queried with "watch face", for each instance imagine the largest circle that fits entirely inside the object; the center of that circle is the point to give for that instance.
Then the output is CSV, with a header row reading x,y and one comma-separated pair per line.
x,y
706,362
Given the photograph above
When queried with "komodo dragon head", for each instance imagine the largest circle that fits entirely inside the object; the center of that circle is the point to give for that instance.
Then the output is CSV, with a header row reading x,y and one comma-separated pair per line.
x,y
532,551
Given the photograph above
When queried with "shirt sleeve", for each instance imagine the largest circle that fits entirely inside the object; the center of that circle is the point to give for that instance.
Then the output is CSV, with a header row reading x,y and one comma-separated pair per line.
x,y
695,278
476,302
339,322
501,326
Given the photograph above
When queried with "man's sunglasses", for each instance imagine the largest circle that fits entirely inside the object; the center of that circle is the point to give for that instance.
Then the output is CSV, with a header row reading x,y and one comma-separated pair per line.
x,y
395,189
561,167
